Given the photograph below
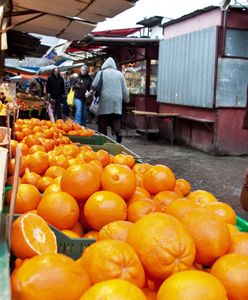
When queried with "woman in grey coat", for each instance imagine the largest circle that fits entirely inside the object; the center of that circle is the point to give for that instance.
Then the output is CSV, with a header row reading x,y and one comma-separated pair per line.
x,y
113,93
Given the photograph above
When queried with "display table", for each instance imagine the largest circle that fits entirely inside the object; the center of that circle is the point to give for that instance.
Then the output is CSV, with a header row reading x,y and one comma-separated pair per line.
x,y
149,114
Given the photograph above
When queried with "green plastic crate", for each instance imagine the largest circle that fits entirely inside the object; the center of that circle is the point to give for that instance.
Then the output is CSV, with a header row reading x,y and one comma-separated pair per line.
x,y
242,224
115,149
97,139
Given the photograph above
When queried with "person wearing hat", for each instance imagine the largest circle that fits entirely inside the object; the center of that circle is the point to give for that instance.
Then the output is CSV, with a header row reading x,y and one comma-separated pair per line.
x,y
81,85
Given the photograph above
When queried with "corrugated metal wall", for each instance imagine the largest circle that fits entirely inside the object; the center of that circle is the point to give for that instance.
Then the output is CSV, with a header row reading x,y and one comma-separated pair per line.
x,y
186,69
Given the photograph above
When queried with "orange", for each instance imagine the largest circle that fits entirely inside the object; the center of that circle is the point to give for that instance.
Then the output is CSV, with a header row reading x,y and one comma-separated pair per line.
x,y
165,198
179,207
93,234
139,180
78,229
57,180
97,166
202,198
162,244
183,186
24,148
225,211
13,146
119,179
59,160
111,259
139,194
31,140
26,131
104,207
103,156
19,136
239,243
38,162
59,209
31,236
30,177
43,183
27,198
48,144
87,156
159,178
54,171
80,181
115,289
36,148
210,233
141,168
23,166
71,149
49,276
141,208
232,228
232,271
124,159
52,188
192,285
71,234
117,230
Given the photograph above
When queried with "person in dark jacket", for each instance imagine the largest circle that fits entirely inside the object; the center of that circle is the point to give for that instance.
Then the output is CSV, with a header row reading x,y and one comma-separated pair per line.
x,y
56,89
81,86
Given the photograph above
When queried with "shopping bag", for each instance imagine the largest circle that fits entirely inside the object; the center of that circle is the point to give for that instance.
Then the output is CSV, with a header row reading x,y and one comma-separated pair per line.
x,y
98,88
94,106
70,97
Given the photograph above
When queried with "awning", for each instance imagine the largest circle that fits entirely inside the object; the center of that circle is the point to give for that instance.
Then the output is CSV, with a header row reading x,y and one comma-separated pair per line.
x,y
68,19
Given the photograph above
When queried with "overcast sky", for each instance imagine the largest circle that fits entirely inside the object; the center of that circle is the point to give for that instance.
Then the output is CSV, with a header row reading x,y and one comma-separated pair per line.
x,y
148,8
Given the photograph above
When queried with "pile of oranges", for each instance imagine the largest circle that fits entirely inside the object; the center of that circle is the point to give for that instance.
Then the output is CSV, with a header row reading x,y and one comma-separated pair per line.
x,y
155,238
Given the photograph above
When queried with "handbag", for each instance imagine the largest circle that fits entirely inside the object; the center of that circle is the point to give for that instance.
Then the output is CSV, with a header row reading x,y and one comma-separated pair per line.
x,y
94,106
70,97
98,88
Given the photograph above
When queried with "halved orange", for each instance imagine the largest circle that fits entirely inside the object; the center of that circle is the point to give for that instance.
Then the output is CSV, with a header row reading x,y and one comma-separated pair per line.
x,y
31,236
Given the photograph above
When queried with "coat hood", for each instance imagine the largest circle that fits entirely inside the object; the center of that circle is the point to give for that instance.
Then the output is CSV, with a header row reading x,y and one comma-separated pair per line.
x,y
109,63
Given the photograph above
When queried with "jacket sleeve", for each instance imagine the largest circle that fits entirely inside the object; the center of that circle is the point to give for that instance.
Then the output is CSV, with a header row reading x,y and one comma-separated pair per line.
x,y
89,87
63,86
125,91
96,80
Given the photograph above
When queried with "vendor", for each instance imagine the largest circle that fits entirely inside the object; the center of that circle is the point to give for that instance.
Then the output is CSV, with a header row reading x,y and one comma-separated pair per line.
x,y
35,87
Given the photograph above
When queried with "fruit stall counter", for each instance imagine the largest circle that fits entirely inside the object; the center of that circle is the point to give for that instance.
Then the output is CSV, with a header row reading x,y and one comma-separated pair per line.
x,y
88,218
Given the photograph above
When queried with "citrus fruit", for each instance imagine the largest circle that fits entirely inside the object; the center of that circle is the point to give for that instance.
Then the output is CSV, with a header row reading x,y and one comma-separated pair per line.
x,y
78,229
30,178
232,271
31,236
104,207
36,148
93,234
54,171
118,179
43,183
192,285
164,237
150,294
71,234
27,198
117,230
80,181
183,186
232,228
159,178
165,198
139,194
202,198
111,259
103,156
239,243
52,188
115,289
38,162
124,159
210,233
225,211
49,276
179,207
140,208
59,209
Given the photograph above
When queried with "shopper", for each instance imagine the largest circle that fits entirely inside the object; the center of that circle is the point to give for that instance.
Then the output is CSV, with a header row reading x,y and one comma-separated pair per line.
x,y
113,93
67,83
56,90
35,87
81,86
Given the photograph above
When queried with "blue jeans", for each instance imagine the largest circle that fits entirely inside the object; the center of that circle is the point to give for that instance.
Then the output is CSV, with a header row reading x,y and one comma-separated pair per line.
x,y
80,114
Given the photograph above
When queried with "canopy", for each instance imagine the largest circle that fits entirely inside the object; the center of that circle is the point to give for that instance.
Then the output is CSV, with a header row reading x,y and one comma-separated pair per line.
x,y
67,19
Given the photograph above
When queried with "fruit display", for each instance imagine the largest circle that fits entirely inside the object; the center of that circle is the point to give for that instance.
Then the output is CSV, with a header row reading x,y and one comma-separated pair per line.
x,y
154,237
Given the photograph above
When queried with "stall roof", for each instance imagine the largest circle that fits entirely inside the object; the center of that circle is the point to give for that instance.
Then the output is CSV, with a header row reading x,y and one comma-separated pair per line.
x,y
70,20
151,22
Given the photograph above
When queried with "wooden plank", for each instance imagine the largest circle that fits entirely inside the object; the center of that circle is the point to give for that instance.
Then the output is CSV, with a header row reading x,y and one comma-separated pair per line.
x,y
195,119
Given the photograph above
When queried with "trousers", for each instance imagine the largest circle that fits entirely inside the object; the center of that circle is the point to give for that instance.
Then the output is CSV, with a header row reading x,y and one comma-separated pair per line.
x,y
112,120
